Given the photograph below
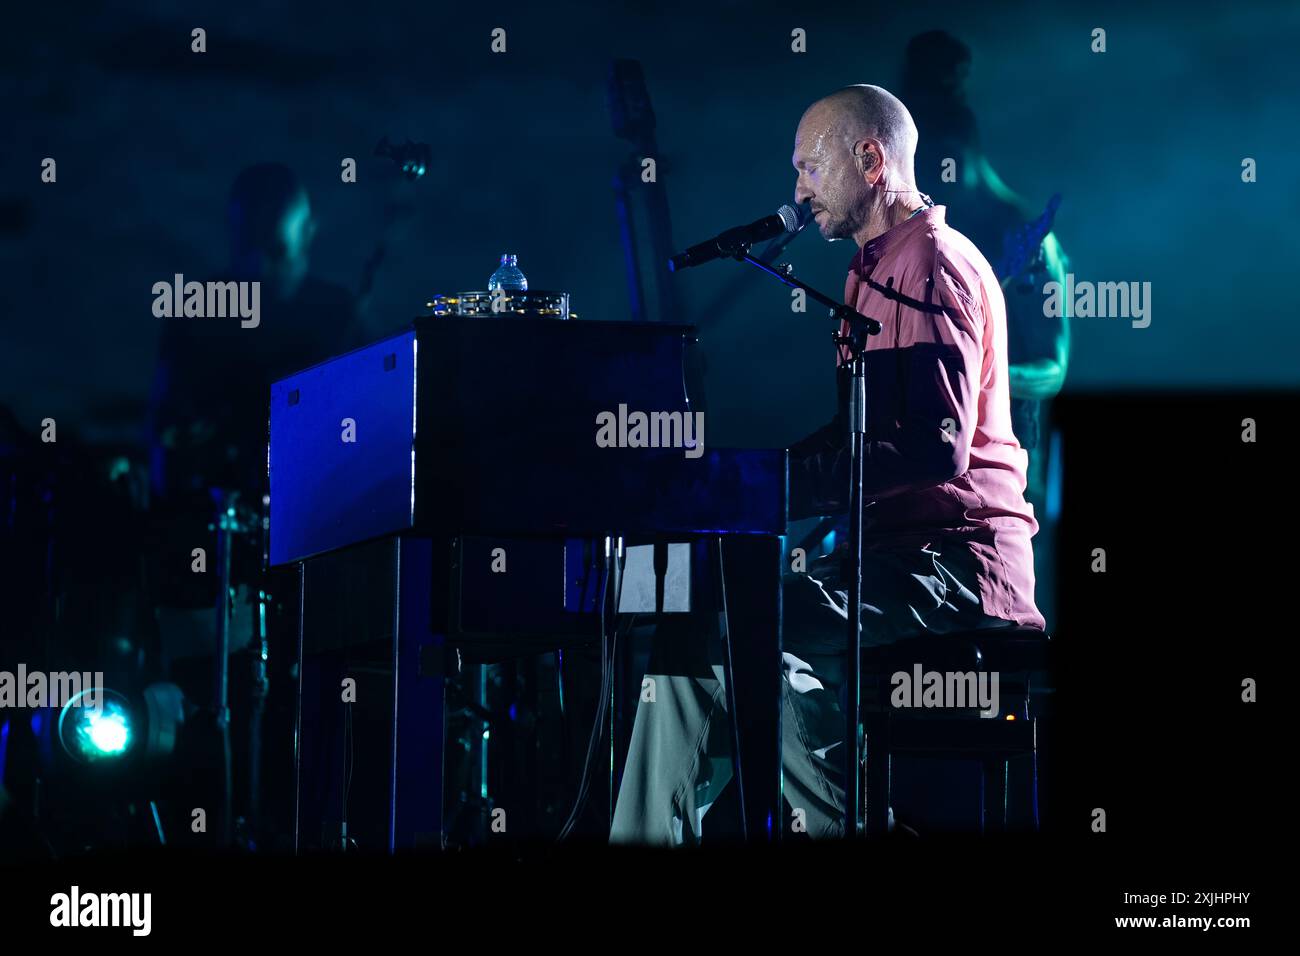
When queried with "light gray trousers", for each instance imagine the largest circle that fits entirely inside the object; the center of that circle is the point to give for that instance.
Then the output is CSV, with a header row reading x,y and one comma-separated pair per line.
x,y
680,754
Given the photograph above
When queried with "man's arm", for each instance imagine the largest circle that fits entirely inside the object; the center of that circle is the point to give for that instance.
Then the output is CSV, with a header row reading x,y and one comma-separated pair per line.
x,y
1042,376
815,464
927,441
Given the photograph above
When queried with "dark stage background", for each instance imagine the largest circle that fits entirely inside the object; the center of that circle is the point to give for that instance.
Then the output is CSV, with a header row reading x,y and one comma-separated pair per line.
x,y
1145,144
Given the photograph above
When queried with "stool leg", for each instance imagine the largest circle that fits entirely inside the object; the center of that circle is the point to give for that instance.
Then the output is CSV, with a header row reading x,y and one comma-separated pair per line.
x,y
876,777
993,795
1033,777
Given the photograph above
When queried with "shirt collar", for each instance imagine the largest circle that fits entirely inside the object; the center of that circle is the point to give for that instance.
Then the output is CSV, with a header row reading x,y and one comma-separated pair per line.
x,y
875,249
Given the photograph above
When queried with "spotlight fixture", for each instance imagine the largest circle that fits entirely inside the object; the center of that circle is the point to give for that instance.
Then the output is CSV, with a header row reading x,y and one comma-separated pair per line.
x,y
96,734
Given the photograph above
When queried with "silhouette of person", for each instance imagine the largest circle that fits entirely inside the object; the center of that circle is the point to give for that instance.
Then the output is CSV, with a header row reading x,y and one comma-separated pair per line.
x,y
212,385
983,207
209,411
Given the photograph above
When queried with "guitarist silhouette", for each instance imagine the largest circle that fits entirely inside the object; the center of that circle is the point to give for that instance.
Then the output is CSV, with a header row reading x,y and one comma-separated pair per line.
x,y
953,168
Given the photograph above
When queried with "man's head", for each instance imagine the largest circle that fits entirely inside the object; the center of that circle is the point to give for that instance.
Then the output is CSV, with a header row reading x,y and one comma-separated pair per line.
x,y
936,64
854,153
936,67
271,228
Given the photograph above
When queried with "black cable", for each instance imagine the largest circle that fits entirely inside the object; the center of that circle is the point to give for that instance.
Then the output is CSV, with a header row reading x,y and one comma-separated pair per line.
x,y
593,741
609,651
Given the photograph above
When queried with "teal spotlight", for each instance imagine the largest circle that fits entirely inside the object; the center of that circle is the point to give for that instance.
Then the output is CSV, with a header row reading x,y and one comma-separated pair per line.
x,y
91,734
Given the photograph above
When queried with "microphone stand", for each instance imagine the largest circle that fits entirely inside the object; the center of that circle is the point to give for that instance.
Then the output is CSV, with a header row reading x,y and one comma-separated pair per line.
x,y
226,525
859,327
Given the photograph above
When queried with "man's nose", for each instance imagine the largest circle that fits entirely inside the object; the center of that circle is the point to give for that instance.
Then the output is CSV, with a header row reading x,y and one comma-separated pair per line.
x,y
801,194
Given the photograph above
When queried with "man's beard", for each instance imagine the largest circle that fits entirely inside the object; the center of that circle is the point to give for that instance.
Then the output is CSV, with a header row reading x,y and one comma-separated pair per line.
x,y
847,226
835,229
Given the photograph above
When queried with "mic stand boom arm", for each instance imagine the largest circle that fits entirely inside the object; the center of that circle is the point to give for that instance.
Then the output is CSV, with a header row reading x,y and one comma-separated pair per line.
x,y
859,327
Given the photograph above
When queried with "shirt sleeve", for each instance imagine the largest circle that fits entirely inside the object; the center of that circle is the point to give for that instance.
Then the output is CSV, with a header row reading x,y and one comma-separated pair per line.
x,y
922,407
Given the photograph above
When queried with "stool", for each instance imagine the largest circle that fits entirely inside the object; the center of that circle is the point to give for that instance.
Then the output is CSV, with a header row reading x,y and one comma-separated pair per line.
x,y
1019,656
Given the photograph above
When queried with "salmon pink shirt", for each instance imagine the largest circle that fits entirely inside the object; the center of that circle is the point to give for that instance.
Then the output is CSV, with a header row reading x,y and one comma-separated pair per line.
x,y
943,467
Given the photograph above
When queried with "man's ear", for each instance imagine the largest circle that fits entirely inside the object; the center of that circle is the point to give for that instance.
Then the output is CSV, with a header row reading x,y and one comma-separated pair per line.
x,y
866,157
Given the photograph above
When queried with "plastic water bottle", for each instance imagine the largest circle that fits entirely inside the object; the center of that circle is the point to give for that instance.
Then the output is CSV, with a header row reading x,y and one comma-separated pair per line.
x,y
508,276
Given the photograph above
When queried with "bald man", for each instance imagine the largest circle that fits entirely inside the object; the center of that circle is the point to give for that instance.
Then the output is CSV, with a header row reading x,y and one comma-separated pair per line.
x,y
945,523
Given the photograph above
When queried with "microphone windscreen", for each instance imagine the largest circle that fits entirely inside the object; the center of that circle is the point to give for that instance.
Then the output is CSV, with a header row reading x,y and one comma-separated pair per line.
x,y
795,217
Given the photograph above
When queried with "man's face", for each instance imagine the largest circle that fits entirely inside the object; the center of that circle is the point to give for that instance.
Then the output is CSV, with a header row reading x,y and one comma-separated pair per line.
x,y
285,250
829,178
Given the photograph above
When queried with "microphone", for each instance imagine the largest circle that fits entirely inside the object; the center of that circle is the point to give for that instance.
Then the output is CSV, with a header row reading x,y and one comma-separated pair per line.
x,y
788,219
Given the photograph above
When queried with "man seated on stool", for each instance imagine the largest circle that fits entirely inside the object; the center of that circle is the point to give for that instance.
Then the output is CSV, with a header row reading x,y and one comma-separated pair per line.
x,y
946,529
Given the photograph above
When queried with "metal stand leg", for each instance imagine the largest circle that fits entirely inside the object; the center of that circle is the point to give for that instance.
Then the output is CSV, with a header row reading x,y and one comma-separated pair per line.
x,y
297,720
730,676
756,701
